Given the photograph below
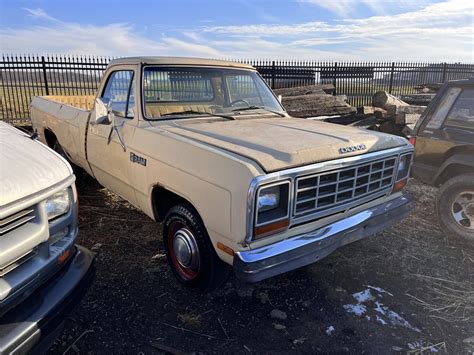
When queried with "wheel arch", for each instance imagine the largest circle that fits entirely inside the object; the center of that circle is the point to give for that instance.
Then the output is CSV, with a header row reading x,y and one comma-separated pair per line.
x,y
163,199
49,137
457,164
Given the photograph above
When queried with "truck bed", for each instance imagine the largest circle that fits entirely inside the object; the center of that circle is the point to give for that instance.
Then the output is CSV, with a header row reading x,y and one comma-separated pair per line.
x,y
85,102
66,116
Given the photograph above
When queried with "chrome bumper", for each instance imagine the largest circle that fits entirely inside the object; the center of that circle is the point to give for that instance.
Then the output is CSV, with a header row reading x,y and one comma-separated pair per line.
x,y
258,264
33,325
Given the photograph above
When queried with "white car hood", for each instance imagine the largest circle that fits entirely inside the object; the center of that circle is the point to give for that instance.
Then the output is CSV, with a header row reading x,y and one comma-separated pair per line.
x,y
27,166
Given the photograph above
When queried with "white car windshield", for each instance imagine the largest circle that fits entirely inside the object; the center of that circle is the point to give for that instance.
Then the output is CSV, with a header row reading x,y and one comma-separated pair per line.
x,y
190,91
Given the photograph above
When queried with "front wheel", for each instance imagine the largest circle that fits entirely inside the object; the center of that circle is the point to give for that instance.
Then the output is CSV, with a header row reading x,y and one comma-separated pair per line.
x,y
189,250
455,206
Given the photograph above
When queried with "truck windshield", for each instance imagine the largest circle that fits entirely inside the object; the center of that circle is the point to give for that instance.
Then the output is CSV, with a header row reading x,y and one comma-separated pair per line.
x,y
186,92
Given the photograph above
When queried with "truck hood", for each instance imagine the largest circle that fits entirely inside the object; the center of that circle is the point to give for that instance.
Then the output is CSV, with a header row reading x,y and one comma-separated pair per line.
x,y
26,165
282,143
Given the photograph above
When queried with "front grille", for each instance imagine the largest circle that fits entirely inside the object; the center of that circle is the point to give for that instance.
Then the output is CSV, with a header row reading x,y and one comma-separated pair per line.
x,y
16,263
332,191
16,220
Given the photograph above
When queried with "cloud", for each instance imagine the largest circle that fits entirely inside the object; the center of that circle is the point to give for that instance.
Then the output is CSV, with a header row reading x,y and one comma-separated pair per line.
x,y
118,39
339,7
441,31
437,32
348,8
39,14
271,30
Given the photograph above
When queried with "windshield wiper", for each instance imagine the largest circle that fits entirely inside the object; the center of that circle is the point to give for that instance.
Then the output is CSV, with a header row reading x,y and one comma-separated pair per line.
x,y
258,108
192,112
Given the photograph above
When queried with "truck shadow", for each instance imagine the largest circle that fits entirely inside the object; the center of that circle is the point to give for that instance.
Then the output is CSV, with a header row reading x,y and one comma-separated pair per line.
x,y
136,304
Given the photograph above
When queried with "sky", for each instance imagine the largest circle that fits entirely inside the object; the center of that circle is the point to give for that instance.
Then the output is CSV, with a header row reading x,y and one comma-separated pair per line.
x,y
425,30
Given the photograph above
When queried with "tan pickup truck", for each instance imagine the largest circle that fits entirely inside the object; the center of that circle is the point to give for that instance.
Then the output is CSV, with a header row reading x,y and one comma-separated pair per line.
x,y
207,148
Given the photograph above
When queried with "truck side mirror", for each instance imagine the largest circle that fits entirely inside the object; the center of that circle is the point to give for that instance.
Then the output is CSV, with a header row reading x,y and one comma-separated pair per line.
x,y
103,111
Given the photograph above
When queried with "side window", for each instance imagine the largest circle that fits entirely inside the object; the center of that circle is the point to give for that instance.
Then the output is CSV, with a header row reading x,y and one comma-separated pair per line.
x,y
119,91
462,112
437,119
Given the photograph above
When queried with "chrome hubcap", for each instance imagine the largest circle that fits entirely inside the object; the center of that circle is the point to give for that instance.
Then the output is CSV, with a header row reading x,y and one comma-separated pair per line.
x,y
185,248
463,209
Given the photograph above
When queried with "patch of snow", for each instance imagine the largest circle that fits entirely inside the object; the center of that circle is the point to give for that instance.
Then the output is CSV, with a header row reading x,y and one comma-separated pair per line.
x,y
368,304
330,330
363,296
417,344
357,309
422,345
380,320
277,314
379,289
393,317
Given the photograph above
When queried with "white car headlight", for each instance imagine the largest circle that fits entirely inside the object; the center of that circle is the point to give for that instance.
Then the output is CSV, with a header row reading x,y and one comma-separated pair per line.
x,y
58,204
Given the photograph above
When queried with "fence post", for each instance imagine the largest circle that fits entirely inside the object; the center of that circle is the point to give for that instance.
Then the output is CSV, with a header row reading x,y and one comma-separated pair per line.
x,y
445,65
334,78
392,71
273,74
43,62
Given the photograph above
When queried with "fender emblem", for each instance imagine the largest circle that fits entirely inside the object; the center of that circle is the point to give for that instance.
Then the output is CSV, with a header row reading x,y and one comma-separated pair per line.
x,y
352,148
137,159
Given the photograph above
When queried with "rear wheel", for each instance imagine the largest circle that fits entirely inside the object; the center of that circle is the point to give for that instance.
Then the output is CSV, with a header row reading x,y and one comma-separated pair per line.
x,y
455,206
189,250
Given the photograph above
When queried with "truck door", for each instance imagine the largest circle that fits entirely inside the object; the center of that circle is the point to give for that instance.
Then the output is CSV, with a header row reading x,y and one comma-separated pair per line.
x,y
107,139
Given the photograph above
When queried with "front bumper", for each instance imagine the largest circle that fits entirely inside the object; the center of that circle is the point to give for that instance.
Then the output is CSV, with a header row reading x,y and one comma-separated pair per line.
x,y
258,264
34,323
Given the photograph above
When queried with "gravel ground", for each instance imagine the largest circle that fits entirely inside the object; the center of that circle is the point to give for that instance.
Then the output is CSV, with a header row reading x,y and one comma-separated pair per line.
x,y
407,290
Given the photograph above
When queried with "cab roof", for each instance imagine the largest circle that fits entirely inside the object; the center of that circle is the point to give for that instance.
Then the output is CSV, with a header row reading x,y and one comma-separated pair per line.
x,y
180,61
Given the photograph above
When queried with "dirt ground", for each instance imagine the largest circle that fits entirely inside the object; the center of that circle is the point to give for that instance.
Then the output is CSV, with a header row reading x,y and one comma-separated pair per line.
x,y
406,290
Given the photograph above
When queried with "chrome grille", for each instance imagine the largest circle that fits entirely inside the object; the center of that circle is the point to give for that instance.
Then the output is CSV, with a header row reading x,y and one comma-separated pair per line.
x,y
332,191
16,220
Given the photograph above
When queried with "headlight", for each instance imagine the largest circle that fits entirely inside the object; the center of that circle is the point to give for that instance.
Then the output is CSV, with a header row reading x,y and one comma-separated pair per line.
x,y
58,204
269,198
272,208
403,167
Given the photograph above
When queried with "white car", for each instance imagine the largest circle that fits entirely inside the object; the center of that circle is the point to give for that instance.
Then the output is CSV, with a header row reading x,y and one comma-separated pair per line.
x,y
42,272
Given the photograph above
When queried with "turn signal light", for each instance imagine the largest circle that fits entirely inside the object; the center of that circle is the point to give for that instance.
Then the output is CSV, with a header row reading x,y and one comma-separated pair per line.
x,y
412,140
225,249
399,185
274,227
63,257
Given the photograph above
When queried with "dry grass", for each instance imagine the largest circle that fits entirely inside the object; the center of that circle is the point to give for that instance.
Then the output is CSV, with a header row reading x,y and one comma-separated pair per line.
x,y
190,320
450,300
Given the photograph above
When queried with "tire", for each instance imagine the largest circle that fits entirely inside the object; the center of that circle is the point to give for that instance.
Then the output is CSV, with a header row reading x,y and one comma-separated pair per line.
x,y
198,267
455,206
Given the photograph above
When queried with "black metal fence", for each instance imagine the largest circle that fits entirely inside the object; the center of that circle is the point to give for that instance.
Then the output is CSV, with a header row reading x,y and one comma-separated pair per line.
x,y
22,77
